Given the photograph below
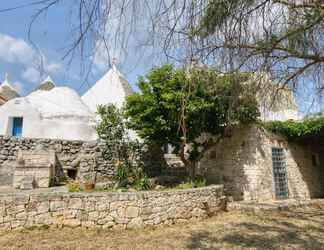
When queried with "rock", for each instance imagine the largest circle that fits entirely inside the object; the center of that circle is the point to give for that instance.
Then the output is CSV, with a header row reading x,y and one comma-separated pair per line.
x,y
132,212
39,147
75,163
104,185
159,187
135,223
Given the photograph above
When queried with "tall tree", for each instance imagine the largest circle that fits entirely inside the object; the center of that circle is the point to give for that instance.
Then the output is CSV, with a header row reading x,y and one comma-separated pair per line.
x,y
190,109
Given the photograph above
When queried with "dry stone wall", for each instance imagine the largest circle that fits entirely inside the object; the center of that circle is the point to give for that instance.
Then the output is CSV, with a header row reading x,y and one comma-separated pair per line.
x,y
109,210
85,158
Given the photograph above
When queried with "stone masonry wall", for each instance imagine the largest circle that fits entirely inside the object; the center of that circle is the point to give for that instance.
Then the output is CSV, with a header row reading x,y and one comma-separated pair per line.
x,y
85,157
108,210
243,163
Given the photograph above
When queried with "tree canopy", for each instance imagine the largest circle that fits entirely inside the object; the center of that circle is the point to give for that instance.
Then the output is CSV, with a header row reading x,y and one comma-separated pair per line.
x,y
177,106
283,37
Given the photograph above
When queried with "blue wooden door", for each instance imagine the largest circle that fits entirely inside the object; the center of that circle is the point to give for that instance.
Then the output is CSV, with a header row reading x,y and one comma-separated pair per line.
x,y
17,125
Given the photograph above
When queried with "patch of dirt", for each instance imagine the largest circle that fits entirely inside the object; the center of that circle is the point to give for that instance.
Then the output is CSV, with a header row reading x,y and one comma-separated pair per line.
x,y
298,229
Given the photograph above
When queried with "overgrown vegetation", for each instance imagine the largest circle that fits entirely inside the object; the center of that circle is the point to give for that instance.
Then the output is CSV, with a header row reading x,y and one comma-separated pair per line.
x,y
295,130
190,109
120,149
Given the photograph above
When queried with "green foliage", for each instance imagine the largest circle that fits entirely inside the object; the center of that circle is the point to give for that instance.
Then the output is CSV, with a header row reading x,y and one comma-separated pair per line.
x,y
196,182
119,148
295,130
144,183
207,102
111,129
74,186
218,12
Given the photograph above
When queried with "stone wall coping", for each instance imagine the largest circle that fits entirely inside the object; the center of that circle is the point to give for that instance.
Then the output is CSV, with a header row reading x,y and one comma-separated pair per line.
x,y
122,195
5,137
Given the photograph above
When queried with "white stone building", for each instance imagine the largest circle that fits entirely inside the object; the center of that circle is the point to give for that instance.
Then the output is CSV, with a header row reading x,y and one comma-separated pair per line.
x,y
59,112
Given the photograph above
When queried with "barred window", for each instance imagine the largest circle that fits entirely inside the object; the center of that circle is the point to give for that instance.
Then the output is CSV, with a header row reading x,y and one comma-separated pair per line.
x,y
280,173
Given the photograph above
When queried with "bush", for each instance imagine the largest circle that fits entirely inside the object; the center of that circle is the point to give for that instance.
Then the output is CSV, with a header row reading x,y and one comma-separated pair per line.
x,y
144,184
119,147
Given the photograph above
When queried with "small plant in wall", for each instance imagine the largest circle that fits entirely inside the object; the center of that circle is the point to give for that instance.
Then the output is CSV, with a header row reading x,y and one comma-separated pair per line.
x,y
120,149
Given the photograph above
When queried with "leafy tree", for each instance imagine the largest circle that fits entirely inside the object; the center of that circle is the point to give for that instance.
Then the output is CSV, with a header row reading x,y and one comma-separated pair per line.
x,y
178,106
119,148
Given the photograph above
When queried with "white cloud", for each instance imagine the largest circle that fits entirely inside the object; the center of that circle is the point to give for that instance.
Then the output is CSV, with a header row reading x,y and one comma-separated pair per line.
x,y
15,50
35,65
31,74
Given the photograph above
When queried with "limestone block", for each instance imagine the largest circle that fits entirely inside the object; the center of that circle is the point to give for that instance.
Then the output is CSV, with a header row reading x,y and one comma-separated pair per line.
x,y
132,212
135,223
75,203
56,206
72,222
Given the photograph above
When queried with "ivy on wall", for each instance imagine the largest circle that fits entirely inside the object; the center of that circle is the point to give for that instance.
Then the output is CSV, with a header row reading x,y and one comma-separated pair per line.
x,y
295,130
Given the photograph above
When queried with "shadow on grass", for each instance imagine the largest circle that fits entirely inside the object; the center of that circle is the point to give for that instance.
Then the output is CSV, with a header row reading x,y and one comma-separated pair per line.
x,y
263,233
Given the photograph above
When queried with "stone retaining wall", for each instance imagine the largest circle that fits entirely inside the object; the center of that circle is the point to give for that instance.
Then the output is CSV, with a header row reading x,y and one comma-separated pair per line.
x,y
108,210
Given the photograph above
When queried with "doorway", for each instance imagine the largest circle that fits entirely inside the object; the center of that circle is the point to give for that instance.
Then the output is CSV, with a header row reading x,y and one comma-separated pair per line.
x,y
17,126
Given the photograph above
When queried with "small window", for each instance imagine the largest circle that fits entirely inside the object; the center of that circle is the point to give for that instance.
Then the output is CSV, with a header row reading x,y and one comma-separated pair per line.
x,y
17,126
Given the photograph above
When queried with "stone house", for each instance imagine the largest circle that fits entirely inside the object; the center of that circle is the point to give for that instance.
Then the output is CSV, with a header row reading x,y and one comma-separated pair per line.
x,y
254,164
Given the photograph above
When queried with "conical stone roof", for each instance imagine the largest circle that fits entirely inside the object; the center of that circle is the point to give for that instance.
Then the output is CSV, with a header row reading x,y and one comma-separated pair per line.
x,y
112,88
7,91
46,85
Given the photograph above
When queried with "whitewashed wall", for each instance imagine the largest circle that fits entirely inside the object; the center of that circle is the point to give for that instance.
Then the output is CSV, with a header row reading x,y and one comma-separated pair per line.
x,y
35,126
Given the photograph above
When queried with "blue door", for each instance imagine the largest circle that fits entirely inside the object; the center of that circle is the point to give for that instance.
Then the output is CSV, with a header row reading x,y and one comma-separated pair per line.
x,y
17,125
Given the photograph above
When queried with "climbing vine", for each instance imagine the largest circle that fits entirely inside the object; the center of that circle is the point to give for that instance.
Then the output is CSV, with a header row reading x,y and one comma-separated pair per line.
x,y
295,130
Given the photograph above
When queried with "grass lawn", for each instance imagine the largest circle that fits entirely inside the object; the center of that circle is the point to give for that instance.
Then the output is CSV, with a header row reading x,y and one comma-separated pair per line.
x,y
300,229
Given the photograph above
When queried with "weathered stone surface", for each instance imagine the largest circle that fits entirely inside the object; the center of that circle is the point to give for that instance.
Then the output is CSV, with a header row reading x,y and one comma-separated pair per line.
x,y
243,164
78,159
108,210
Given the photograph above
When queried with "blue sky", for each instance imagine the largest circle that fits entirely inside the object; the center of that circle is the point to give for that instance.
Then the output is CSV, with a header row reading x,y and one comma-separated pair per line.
x,y
51,34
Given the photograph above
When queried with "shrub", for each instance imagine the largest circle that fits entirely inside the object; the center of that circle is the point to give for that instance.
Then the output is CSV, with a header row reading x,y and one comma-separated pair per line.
x,y
144,183
74,186
120,149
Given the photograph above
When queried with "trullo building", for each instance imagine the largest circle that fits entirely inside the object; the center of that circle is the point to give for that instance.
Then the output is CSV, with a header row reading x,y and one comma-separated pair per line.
x,y
59,112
